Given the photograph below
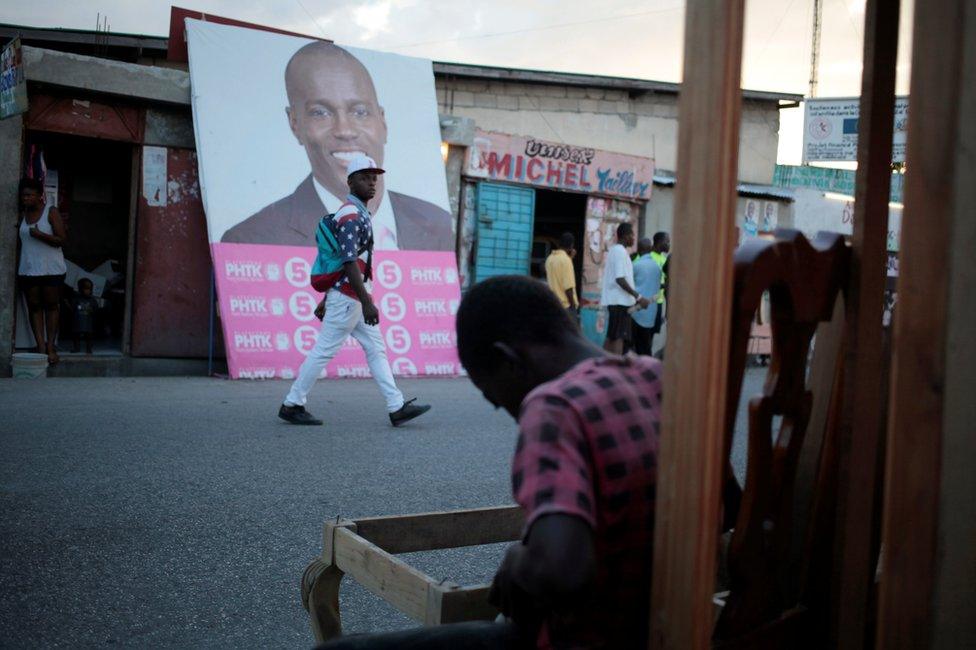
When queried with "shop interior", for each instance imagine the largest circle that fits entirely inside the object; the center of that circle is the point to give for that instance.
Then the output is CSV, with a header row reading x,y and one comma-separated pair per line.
x,y
90,180
555,213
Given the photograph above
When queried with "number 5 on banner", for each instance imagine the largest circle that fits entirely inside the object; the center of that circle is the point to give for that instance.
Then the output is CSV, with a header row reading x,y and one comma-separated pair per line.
x,y
305,339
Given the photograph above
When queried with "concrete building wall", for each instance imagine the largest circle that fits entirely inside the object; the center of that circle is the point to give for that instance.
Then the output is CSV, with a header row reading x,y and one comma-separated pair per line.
x,y
815,210
660,211
643,125
10,148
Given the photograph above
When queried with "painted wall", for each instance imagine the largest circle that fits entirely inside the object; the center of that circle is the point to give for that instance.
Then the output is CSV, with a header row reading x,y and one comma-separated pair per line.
x,y
611,120
660,211
814,211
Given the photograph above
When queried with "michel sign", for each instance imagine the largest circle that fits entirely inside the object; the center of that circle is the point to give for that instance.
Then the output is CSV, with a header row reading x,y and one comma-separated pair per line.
x,y
518,159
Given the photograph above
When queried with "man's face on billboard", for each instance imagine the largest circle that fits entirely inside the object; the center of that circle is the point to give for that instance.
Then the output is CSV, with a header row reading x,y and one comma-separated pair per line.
x,y
334,113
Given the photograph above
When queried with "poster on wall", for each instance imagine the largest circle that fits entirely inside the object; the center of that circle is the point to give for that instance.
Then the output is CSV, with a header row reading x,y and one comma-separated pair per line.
x,y
13,83
770,217
830,129
277,118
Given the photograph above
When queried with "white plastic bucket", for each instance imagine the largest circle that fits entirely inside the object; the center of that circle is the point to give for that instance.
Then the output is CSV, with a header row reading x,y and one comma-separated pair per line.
x,y
29,365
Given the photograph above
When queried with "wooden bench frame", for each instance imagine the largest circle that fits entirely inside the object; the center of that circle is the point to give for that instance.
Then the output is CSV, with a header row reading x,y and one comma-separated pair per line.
x,y
365,550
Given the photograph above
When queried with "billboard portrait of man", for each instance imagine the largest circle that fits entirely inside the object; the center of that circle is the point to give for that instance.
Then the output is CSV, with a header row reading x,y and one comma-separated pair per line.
x,y
335,114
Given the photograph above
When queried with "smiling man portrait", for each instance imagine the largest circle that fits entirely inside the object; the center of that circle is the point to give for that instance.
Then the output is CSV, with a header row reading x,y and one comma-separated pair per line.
x,y
334,112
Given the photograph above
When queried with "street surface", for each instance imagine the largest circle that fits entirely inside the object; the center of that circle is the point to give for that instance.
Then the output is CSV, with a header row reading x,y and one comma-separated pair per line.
x,y
180,512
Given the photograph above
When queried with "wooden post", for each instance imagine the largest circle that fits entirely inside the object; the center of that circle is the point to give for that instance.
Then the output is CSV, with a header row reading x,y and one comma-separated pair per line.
x,y
690,462
861,417
928,583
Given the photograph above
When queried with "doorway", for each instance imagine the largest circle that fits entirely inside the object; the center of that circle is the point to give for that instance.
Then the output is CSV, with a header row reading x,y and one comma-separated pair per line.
x,y
90,182
556,213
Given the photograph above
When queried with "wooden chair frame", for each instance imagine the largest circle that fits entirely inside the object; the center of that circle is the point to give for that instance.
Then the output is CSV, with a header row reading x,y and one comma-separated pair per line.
x,y
365,550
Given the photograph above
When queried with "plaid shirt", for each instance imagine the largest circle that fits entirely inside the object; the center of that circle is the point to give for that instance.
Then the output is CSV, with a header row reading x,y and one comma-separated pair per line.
x,y
588,447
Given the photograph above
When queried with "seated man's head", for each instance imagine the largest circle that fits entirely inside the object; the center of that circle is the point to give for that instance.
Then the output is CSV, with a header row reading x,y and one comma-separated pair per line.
x,y
514,335
333,111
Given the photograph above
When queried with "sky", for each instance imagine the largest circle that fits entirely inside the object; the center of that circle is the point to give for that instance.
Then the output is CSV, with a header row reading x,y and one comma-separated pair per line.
x,y
608,37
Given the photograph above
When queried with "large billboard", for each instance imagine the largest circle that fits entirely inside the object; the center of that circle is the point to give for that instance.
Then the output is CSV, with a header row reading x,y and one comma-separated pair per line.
x,y
830,129
277,119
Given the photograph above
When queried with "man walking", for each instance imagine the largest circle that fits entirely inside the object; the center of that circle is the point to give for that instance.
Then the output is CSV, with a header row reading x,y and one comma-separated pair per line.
x,y
349,309
647,281
618,291
561,276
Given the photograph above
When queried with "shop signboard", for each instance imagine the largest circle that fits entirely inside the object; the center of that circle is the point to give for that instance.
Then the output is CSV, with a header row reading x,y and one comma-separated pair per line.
x,y
830,129
277,118
520,159
13,83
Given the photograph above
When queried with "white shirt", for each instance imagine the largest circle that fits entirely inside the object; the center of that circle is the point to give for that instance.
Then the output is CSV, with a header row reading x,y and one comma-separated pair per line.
x,y
36,257
384,223
617,265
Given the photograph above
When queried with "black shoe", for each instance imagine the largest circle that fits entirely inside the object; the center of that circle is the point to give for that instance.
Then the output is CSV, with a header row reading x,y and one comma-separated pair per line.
x,y
297,415
407,412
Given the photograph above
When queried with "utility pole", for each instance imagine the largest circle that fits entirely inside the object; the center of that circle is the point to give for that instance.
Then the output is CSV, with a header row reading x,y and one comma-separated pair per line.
x,y
815,46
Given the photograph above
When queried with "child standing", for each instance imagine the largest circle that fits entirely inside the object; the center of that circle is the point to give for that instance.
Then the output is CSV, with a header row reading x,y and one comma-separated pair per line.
x,y
85,306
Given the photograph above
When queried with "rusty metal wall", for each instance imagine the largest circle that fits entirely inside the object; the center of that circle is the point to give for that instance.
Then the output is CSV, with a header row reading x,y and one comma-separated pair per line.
x,y
86,117
171,293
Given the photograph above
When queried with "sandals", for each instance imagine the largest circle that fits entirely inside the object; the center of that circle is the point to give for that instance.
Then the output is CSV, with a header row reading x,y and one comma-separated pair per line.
x,y
52,355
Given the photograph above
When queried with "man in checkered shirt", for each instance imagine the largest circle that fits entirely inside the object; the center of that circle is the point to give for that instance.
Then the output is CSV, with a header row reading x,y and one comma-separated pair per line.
x,y
584,472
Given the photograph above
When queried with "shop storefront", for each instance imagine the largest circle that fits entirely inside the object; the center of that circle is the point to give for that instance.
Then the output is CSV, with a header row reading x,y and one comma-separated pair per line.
x,y
520,194
122,171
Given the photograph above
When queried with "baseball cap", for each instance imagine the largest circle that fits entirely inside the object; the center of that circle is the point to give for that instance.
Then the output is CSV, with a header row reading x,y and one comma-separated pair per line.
x,y
363,164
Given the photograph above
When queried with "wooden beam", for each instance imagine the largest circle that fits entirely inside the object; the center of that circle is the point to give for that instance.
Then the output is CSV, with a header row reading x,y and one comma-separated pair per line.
x,y
466,604
861,417
436,530
391,579
690,462
928,583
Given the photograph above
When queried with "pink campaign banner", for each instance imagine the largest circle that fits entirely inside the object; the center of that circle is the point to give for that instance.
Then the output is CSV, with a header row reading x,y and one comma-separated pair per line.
x,y
267,305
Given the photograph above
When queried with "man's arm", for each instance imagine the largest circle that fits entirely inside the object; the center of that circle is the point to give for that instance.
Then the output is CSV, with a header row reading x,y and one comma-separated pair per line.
x,y
643,302
370,314
570,282
571,297
555,567
55,240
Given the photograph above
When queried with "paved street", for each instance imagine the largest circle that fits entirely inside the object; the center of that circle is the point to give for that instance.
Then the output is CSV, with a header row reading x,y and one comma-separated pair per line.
x,y
181,512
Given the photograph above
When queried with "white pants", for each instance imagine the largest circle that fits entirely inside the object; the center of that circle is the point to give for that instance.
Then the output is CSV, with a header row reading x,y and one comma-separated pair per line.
x,y
344,317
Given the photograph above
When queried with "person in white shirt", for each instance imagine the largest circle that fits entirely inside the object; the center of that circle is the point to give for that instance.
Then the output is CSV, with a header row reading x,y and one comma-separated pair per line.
x,y
619,294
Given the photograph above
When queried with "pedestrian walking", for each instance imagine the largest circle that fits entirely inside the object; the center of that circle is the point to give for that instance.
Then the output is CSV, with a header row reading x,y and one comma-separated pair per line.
x,y
618,294
561,276
342,270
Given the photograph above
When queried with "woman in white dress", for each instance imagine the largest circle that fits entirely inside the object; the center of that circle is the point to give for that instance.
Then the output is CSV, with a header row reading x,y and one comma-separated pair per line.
x,y
41,270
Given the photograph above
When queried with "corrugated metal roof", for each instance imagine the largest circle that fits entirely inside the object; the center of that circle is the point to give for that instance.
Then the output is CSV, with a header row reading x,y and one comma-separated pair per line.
x,y
764,191
666,179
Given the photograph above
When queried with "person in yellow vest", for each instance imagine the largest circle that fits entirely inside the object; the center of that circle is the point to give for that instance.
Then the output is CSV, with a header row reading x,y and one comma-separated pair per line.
x,y
659,253
561,276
